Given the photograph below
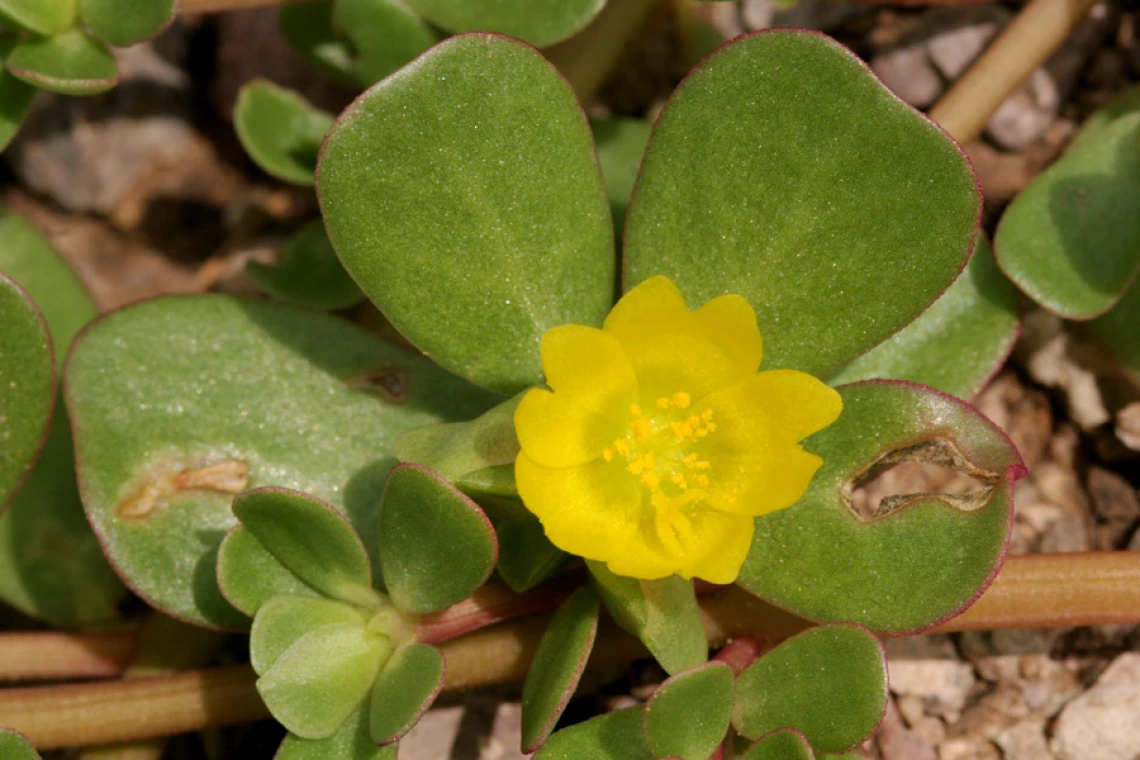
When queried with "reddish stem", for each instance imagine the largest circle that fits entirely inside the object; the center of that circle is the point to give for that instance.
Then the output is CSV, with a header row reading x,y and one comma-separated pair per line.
x,y
741,652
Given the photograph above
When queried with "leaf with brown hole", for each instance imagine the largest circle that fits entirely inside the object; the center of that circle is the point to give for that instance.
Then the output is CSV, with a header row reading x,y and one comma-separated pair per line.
x,y
180,403
920,558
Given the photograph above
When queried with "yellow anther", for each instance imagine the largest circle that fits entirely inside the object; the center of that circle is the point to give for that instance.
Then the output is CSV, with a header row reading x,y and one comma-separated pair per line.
x,y
703,479
608,454
641,428
663,403
681,400
707,415
679,480
702,465
635,410
622,446
689,459
636,467
651,480
711,427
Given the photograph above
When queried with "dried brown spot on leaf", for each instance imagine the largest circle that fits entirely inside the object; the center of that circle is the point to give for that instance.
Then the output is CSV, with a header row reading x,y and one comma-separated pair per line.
x,y
230,476
390,383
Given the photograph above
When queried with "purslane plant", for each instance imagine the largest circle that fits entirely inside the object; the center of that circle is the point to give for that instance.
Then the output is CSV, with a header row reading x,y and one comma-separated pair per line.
x,y
241,459
65,46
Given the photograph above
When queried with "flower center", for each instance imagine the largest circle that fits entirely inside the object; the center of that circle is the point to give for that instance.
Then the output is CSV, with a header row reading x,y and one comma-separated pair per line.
x,y
657,449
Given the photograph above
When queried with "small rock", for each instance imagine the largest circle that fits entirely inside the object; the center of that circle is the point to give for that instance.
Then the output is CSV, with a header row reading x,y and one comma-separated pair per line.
x,y
908,73
1024,116
1025,740
929,667
955,49
968,749
1116,503
897,743
1104,722
1128,426
1024,413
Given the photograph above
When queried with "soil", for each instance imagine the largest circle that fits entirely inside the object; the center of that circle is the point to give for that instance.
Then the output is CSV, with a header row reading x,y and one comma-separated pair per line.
x,y
146,192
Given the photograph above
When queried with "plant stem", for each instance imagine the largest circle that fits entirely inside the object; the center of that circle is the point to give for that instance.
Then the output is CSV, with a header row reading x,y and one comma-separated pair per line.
x,y
1044,590
589,58
1034,35
52,656
494,603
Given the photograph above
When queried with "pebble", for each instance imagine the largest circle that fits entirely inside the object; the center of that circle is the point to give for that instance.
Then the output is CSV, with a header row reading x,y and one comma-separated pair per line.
x,y
928,667
908,73
1104,722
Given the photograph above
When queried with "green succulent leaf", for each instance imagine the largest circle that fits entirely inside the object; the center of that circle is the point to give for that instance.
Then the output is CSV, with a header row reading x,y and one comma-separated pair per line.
x,y
557,666
311,539
405,688
308,28
784,744
958,343
920,558
280,130
436,545
828,683
350,742
70,63
494,224
613,736
16,96
249,576
540,24
496,481
1125,103
385,35
308,274
125,22
51,565
1116,331
770,174
283,620
688,716
1071,240
13,746
181,403
663,614
526,556
39,16
323,678
27,385
621,145
457,448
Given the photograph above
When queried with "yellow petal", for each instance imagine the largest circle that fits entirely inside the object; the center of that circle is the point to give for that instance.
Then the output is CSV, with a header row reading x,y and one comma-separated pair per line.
x,y
591,510
725,542
756,465
671,348
730,321
593,384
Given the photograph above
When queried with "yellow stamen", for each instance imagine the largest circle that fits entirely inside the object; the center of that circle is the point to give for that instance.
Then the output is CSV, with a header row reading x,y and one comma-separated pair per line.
x,y
681,400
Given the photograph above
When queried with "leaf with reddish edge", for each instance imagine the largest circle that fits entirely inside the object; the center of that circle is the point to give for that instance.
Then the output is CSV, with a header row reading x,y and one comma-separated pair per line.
x,y
958,343
925,557
557,666
615,735
249,576
784,744
436,544
70,63
312,540
27,386
828,683
688,716
126,22
540,24
182,402
350,742
404,690
771,173
280,131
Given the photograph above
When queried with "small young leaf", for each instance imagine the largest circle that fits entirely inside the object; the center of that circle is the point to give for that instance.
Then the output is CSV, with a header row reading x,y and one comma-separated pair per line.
x,y
540,24
436,545
1116,331
613,736
125,22
323,678
767,175
688,716
495,225
496,481
311,539
280,131
385,34
180,403
956,344
455,449
70,63
249,576
308,274
621,145
1071,240
663,614
919,558
405,688
526,556
283,620
27,385
828,683
784,744
16,96
557,666
40,16
13,746
350,742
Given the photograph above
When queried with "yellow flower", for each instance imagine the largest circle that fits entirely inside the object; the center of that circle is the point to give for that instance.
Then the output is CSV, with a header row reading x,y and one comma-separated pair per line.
x,y
661,441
